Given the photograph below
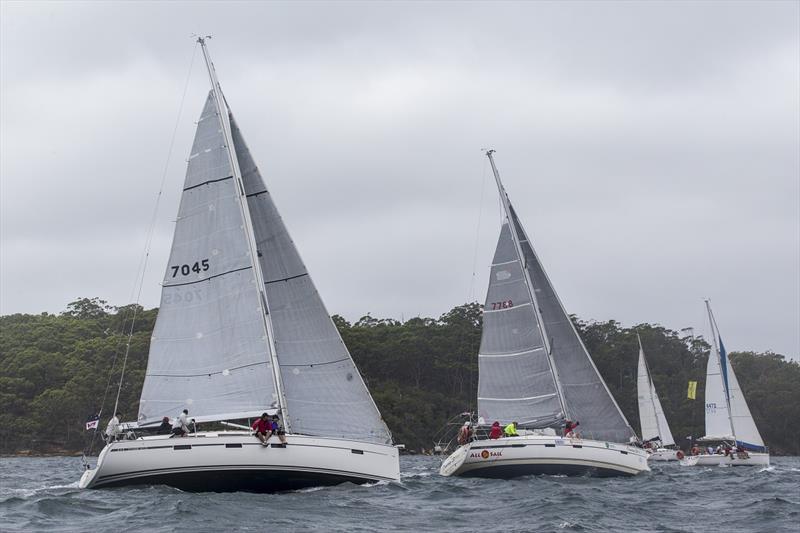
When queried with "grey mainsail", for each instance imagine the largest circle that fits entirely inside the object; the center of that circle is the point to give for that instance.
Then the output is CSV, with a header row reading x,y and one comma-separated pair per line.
x,y
515,382
323,390
209,350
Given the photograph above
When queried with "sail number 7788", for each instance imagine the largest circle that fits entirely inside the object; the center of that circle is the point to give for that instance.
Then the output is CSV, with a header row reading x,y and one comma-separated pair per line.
x,y
185,270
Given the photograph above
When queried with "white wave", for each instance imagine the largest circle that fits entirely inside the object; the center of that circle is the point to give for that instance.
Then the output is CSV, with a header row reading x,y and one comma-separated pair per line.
x,y
767,469
565,525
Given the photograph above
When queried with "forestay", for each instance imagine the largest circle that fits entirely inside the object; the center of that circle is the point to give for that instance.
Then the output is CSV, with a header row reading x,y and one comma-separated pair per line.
x,y
209,350
587,398
515,380
651,414
324,392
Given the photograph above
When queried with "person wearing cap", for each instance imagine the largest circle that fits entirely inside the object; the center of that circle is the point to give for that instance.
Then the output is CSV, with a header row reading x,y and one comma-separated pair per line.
x,y
278,430
262,428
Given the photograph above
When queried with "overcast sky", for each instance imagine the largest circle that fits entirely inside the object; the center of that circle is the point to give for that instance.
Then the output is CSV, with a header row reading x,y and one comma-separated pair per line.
x,y
651,149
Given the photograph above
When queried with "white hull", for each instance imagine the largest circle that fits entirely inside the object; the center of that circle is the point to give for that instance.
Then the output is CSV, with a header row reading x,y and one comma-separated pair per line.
x,y
753,459
232,461
665,454
540,454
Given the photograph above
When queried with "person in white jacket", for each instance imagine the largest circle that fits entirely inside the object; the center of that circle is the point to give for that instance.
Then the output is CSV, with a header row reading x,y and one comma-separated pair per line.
x,y
113,429
180,427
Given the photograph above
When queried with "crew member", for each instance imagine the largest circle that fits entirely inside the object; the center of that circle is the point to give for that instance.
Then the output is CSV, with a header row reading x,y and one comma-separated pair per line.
x,y
166,426
465,433
262,428
496,432
180,427
569,428
113,429
511,430
278,430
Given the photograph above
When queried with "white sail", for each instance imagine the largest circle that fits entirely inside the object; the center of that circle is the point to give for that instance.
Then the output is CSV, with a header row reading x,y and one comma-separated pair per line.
x,y
651,414
718,424
209,350
727,414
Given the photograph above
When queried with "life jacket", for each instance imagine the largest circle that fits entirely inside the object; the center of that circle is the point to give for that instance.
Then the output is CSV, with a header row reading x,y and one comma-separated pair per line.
x,y
510,430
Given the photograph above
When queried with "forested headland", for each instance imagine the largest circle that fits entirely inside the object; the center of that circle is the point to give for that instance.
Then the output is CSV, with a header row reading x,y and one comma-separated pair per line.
x,y
55,369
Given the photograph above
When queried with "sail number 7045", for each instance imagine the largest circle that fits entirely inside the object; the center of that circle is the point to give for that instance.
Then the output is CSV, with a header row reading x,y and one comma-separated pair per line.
x,y
185,270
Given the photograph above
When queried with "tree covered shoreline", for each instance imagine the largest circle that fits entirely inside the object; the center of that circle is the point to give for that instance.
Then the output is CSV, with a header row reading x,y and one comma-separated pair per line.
x,y
57,369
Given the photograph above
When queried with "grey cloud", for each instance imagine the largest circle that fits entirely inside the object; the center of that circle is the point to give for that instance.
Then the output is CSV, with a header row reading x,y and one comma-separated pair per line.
x,y
651,149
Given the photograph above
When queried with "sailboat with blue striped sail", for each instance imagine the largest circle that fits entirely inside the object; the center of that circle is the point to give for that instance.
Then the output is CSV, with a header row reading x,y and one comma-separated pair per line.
x,y
730,428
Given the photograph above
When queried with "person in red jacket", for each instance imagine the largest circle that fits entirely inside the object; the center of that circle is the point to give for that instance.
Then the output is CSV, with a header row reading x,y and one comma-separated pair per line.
x,y
569,428
496,432
262,428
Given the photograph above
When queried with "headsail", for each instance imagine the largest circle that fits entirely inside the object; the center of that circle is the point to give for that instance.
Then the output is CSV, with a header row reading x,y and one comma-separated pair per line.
x,y
325,394
651,414
209,351
587,398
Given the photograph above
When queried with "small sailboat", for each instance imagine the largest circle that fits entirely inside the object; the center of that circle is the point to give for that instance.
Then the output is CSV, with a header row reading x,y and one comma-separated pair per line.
x,y
729,423
241,330
535,370
655,430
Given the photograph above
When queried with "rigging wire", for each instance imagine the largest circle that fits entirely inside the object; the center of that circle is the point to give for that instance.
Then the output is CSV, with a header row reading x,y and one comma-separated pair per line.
x,y
471,296
142,266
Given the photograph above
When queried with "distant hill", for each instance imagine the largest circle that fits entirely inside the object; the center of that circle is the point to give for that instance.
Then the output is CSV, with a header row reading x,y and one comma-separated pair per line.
x,y
57,369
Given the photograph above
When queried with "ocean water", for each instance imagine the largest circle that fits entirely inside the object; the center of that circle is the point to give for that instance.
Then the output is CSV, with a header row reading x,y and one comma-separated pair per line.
x,y
41,494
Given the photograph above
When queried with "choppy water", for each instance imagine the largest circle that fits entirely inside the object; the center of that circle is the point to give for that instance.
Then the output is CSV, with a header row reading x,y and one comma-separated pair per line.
x,y
41,494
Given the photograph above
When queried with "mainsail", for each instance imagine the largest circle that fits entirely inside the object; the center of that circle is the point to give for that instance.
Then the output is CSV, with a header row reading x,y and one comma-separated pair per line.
x,y
218,333
727,414
583,393
651,414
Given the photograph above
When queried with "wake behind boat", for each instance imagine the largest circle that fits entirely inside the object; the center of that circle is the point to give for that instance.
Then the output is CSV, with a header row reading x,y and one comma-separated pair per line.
x,y
729,424
535,370
242,330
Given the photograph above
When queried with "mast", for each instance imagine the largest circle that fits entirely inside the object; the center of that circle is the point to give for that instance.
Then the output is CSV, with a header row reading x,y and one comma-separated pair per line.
x,y
723,370
248,229
518,247
652,388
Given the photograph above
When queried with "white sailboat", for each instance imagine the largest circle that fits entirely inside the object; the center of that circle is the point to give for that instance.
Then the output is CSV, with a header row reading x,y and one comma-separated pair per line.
x,y
728,420
535,370
655,430
241,330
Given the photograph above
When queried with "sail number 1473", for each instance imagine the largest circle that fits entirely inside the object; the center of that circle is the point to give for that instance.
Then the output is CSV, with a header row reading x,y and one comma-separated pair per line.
x,y
185,270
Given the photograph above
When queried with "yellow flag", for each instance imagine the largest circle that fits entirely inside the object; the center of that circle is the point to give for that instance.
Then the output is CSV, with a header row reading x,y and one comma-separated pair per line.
x,y
692,393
